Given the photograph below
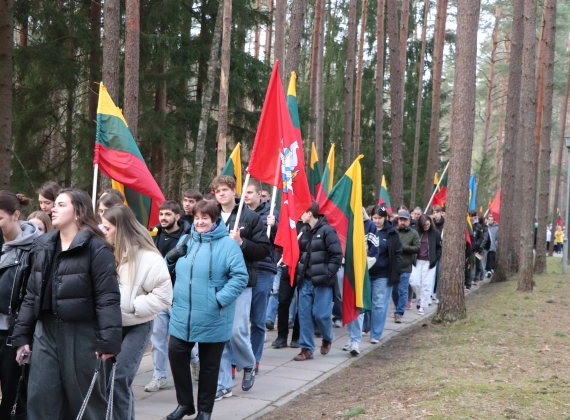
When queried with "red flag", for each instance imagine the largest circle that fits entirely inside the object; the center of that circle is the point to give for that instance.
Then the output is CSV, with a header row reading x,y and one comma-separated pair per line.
x,y
277,158
495,206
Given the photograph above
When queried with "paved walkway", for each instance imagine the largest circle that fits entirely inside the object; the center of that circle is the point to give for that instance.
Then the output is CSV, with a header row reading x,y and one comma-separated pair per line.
x,y
280,378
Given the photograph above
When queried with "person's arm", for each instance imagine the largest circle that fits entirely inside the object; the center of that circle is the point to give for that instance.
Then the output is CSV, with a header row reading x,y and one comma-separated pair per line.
x,y
332,243
257,247
238,276
158,288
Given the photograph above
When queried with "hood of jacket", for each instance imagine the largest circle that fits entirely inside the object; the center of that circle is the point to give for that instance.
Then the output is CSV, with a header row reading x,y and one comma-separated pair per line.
x,y
322,221
25,238
220,231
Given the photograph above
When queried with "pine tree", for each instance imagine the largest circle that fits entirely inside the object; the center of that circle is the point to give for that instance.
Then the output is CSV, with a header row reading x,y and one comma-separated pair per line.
x,y
6,72
379,99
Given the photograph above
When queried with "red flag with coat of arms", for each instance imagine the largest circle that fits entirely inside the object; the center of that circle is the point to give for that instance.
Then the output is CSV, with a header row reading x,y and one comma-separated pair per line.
x,y
277,159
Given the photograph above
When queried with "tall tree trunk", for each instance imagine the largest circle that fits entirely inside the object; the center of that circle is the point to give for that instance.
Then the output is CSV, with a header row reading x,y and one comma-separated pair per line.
x,y
157,155
489,107
540,73
404,25
94,67
313,80
111,43
295,36
437,68
207,98
269,33
359,72
256,35
132,49
23,34
419,107
279,44
561,152
6,74
203,38
349,85
528,123
319,129
544,168
452,303
224,85
507,236
500,132
379,87
68,137
396,110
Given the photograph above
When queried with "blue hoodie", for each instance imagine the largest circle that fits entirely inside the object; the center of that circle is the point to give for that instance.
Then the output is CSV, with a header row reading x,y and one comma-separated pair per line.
x,y
209,279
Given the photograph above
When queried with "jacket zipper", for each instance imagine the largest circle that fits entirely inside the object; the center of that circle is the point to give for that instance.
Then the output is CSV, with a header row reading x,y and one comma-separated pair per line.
x,y
190,285
14,284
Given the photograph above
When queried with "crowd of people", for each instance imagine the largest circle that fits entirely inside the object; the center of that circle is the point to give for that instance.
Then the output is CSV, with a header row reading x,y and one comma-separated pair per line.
x,y
79,287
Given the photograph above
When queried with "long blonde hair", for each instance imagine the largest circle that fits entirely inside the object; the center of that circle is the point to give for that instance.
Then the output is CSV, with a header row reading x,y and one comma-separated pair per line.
x,y
129,235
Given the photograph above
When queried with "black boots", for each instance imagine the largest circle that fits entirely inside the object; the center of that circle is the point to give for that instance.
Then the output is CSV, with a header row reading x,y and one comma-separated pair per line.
x,y
183,410
203,416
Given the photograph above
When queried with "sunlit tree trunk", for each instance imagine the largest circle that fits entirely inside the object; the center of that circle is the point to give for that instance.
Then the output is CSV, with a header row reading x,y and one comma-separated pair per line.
x,y
111,44
269,33
379,87
224,85
358,96
315,48
349,85
294,39
319,130
132,52
491,82
279,44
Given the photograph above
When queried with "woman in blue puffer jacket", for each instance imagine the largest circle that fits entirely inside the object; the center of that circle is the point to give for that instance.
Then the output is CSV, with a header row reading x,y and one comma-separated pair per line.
x,y
210,275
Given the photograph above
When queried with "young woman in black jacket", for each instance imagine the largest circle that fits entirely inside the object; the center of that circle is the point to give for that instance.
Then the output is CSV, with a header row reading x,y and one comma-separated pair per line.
x,y
423,271
15,263
72,311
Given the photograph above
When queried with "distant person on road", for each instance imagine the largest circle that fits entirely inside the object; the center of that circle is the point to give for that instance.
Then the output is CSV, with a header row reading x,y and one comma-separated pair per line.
x,y
490,244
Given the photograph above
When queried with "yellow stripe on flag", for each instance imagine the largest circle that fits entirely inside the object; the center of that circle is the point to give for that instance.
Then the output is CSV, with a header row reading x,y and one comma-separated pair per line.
x,y
314,157
116,185
330,164
236,159
106,105
436,181
292,88
358,239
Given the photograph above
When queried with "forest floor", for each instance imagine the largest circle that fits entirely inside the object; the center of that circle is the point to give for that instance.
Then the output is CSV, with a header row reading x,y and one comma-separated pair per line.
x,y
510,359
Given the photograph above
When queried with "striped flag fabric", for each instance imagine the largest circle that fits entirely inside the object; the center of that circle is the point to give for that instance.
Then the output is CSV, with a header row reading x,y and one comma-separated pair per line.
x,y
327,179
314,173
233,167
495,207
343,209
435,182
440,198
119,157
384,197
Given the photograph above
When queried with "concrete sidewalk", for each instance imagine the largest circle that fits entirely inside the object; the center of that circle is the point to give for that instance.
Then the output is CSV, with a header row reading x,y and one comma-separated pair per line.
x,y
280,378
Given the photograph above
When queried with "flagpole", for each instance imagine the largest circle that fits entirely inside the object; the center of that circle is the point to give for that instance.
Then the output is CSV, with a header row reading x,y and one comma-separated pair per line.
x,y
240,207
281,260
94,194
435,190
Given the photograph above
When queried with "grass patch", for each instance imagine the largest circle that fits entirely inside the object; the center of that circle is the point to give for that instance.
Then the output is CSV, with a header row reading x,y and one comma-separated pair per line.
x,y
507,360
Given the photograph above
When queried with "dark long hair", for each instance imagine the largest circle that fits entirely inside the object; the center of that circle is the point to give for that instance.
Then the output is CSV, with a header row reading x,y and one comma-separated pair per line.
x,y
10,202
421,221
82,205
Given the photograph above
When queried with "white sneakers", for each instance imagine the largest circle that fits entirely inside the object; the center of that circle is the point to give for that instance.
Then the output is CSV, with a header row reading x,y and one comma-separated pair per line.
x,y
421,311
156,384
353,348
374,341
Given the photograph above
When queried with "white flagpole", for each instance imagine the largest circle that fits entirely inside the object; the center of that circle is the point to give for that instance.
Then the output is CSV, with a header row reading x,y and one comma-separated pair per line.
x,y
272,208
240,207
435,191
94,195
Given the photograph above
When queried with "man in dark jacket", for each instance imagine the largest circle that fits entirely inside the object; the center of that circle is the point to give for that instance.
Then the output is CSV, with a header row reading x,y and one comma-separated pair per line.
x,y
191,197
254,243
266,268
477,246
166,236
410,247
321,257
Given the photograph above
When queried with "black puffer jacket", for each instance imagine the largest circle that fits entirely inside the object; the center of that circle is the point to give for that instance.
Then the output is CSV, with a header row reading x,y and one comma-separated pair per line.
x,y
269,263
85,288
477,237
321,254
255,246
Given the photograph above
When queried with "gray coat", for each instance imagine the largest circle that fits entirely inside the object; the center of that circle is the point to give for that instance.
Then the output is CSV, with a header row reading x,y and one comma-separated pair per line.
x,y
490,239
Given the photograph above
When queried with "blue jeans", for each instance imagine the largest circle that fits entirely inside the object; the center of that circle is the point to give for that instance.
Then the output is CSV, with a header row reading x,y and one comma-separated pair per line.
x,y
400,294
159,340
273,302
354,329
240,342
259,298
314,303
381,293
337,301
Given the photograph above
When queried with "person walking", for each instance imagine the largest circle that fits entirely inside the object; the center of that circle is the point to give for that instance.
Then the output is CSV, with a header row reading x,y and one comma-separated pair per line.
x,y
146,290
321,257
559,239
476,242
15,266
490,244
423,271
71,312
211,274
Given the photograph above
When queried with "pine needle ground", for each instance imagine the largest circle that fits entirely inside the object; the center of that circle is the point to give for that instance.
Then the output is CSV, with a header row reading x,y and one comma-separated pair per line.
x,y
510,359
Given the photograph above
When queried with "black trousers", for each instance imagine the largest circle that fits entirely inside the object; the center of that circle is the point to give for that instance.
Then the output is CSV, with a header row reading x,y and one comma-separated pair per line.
x,y
210,357
491,255
286,293
10,373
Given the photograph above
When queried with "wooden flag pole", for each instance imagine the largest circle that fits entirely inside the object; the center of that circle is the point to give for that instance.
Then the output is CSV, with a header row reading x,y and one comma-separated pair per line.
x,y
435,190
240,207
94,194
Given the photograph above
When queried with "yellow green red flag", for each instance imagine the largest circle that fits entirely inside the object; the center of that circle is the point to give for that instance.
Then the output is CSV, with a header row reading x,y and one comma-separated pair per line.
x,y
233,167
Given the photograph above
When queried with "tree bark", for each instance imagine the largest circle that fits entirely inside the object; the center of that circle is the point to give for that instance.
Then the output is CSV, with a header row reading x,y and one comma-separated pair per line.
x,y
319,130
379,87
500,132
490,88
544,165
419,107
256,35
295,36
224,85
404,25
132,49
396,110
507,237
349,85
6,74
269,33
68,137
157,155
315,48
279,44
452,304
94,68
528,123
561,152
358,96
437,68
207,98
111,43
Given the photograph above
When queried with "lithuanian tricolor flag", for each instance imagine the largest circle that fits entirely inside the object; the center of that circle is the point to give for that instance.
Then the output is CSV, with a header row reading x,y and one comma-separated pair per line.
x,y
327,179
384,197
314,173
435,182
343,209
119,158
233,167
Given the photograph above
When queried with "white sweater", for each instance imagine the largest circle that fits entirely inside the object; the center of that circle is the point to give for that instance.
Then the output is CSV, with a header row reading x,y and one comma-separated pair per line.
x,y
151,291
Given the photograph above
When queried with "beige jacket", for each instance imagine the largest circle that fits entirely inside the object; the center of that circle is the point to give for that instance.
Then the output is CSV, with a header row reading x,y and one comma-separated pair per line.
x,y
151,291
